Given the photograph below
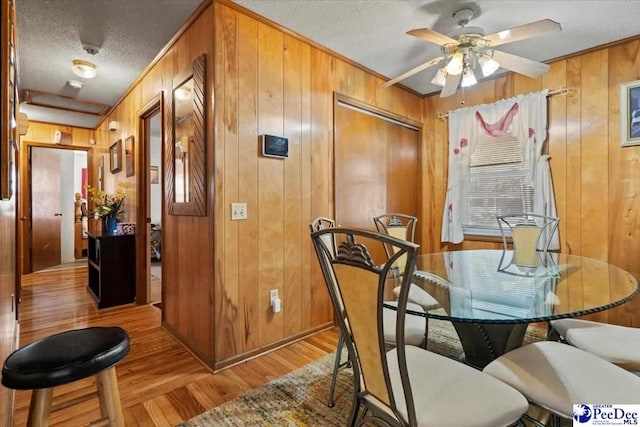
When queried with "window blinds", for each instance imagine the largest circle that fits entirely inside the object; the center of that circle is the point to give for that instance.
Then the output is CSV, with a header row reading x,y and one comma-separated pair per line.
x,y
498,183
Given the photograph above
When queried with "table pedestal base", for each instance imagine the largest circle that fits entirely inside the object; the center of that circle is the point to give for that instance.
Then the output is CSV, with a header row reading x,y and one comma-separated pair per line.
x,y
484,342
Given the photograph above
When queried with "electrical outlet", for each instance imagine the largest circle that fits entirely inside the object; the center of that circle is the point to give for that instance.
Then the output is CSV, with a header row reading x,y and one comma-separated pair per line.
x,y
238,211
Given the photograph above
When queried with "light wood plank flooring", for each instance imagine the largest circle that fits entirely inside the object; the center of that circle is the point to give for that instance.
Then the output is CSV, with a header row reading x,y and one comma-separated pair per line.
x,y
160,383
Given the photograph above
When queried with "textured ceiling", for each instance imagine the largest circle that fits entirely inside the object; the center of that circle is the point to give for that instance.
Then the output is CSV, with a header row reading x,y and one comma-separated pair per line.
x,y
372,32
128,33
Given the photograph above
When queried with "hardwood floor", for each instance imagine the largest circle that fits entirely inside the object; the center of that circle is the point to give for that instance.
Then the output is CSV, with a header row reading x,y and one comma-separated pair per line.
x,y
160,383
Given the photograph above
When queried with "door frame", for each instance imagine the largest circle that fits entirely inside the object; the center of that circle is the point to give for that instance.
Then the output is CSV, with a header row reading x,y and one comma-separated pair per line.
x,y
154,106
24,188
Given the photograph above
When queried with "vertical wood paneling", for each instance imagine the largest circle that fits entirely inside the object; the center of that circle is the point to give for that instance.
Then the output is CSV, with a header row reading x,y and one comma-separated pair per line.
x,y
557,143
308,254
432,165
248,178
284,87
321,124
229,307
293,239
187,241
270,181
594,172
574,158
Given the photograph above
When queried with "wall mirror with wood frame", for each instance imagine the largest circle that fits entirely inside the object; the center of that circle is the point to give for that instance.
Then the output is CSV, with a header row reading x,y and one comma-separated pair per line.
x,y
186,160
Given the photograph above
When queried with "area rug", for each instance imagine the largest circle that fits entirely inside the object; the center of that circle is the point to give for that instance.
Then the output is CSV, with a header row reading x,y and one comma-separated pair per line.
x,y
299,398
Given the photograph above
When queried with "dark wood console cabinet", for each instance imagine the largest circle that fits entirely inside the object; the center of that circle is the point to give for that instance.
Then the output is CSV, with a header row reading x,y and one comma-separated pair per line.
x,y
112,269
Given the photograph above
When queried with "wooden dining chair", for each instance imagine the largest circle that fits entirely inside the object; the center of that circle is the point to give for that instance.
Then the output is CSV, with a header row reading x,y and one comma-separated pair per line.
x,y
407,385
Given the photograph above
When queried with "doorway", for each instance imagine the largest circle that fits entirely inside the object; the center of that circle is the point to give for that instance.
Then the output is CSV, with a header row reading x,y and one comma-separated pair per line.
x,y
149,237
55,175
155,208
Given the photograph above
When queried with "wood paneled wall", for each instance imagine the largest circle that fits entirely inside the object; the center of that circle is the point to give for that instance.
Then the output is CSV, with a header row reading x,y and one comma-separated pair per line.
x,y
7,288
8,206
270,82
187,241
596,182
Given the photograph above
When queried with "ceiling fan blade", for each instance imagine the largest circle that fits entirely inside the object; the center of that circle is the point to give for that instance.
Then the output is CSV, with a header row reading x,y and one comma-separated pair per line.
x,y
451,85
413,71
525,31
519,64
431,36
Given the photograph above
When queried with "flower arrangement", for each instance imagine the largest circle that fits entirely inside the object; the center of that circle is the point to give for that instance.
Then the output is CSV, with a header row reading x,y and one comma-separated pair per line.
x,y
108,205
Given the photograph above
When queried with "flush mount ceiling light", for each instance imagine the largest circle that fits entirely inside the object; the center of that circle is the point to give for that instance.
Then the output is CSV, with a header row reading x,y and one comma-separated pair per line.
x,y
84,69
467,48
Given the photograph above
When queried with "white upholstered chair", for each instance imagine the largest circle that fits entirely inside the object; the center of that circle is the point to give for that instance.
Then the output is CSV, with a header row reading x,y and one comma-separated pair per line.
x,y
408,385
555,376
617,344
414,325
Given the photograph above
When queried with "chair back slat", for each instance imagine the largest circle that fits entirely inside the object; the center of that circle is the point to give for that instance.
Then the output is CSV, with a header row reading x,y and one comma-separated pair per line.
x,y
530,236
400,226
360,294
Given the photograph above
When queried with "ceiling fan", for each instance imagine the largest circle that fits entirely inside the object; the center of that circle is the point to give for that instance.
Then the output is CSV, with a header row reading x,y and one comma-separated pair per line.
x,y
469,48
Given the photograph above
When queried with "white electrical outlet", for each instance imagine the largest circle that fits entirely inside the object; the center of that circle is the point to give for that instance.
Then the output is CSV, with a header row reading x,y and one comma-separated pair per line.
x,y
238,211
275,303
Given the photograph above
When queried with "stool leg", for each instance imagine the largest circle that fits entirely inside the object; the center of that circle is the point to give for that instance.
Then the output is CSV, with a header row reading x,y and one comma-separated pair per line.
x,y
40,407
110,406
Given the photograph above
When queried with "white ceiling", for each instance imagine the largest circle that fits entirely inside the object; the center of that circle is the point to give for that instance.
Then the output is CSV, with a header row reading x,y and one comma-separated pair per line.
x,y
372,32
130,33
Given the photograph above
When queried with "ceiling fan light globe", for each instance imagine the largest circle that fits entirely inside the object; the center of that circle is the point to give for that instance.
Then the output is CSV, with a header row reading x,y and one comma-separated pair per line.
x,y
455,64
489,65
468,78
440,78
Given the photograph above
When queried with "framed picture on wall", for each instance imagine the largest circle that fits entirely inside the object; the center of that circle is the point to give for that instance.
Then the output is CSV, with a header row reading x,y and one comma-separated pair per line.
x,y
630,113
153,175
115,156
129,155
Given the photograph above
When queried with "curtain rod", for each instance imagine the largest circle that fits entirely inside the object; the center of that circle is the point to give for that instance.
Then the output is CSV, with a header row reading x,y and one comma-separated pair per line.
x,y
559,91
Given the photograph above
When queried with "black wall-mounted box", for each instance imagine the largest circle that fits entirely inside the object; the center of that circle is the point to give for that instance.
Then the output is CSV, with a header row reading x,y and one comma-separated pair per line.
x,y
274,146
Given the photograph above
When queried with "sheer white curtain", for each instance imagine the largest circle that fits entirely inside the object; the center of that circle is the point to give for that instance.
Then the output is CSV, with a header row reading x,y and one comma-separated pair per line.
x,y
524,117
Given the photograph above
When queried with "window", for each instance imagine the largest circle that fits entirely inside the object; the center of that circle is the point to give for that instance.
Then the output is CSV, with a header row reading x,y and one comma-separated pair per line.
x,y
498,183
496,166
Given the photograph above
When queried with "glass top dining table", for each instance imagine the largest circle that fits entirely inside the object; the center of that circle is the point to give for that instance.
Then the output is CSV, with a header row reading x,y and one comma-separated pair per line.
x,y
490,300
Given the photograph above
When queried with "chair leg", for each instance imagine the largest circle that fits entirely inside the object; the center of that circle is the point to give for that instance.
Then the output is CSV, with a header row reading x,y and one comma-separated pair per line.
x,y
109,396
40,408
336,366
426,333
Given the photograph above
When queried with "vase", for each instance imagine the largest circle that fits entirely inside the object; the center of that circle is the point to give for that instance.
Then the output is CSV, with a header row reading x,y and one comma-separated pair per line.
x,y
109,225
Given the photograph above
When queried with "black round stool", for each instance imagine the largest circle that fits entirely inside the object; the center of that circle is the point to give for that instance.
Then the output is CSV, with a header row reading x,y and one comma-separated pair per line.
x,y
64,358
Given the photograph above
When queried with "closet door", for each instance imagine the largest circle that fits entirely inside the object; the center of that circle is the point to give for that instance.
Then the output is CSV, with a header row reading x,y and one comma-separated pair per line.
x,y
376,167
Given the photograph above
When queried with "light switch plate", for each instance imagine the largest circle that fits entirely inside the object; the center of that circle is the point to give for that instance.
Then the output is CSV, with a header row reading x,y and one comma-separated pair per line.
x,y
238,211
